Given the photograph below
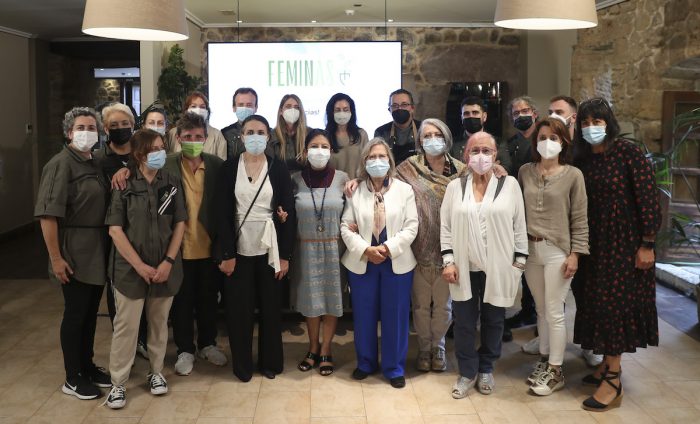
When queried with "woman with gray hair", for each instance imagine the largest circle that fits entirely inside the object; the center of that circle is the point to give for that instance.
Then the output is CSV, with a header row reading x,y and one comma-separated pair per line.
x,y
428,173
71,207
378,226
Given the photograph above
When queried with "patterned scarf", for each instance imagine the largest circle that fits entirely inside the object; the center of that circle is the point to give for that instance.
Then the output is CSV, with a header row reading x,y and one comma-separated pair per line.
x,y
379,210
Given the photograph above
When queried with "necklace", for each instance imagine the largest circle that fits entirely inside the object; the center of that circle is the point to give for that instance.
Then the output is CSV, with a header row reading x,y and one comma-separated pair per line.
x,y
319,213
252,171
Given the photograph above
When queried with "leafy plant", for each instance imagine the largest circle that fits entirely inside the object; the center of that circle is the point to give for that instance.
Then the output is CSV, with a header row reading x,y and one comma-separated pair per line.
x,y
174,83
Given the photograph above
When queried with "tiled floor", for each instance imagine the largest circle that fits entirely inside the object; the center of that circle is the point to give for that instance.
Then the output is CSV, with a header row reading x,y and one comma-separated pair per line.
x,y
662,384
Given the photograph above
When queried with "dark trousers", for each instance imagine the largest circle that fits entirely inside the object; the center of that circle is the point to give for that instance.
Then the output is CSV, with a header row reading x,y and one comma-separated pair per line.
x,y
381,295
466,313
527,302
81,302
112,311
253,283
198,293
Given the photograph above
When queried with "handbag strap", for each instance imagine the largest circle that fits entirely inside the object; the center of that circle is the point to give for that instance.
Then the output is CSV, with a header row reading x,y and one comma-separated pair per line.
x,y
267,172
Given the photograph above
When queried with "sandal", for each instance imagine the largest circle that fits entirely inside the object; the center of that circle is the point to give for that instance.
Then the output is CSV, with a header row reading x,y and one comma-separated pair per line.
x,y
591,404
326,370
305,365
462,386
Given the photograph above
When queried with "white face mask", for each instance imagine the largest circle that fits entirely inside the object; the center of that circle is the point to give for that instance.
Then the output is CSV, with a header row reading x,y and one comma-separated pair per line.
x,y
564,120
318,158
84,140
201,111
342,118
159,130
548,149
291,115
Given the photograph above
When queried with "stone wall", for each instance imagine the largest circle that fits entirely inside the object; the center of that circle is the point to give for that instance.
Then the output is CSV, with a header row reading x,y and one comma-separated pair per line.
x,y
432,57
639,49
108,90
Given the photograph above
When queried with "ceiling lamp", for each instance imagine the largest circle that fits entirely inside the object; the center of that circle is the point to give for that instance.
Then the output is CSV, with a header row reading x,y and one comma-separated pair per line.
x,y
145,20
546,14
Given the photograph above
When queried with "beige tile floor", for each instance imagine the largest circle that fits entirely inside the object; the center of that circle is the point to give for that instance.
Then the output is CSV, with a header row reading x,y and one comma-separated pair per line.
x,y
662,385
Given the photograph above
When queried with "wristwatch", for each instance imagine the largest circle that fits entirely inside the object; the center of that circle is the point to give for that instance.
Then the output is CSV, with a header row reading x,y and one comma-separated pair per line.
x,y
169,260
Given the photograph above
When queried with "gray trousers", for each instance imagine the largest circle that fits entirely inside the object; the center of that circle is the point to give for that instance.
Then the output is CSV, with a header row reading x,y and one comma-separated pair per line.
x,y
466,313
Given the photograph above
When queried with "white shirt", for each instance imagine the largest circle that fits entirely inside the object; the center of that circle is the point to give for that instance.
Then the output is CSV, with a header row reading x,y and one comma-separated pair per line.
x,y
251,234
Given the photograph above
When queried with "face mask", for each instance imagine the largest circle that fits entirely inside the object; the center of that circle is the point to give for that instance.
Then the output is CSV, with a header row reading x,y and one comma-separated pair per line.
x,y
401,116
434,146
472,125
523,122
119,136
548,149
243,112
201,111
318,158
481,163
159,130
192,149
255,143
377,168
342,118
594,134
84,140
290,116
156,160
561,118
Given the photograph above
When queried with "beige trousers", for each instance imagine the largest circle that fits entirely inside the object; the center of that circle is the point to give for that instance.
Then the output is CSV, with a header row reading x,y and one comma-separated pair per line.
x,y
126,332
432,307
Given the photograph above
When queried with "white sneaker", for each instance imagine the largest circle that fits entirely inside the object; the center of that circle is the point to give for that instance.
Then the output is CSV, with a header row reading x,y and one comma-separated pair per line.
x,y
184,363
116,399
157,384
537,371
591,358
532,347
548,382
213,355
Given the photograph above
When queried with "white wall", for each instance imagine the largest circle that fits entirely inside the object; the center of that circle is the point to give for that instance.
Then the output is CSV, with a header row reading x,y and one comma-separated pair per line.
x,y
16,147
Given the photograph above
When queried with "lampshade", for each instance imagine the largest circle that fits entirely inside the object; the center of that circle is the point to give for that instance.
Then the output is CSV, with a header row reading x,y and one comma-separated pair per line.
x,y
146,20
546,14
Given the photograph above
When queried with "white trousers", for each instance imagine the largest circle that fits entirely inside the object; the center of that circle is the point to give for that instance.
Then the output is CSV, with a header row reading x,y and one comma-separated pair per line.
x,y
432,307
544,273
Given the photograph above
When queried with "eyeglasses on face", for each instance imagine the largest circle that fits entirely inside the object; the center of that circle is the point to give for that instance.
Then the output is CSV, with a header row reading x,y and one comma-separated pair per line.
x,y
523,111
484,150
396,106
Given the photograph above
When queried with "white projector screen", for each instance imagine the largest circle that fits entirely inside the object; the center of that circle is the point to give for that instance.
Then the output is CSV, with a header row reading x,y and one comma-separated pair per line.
x,y
314,71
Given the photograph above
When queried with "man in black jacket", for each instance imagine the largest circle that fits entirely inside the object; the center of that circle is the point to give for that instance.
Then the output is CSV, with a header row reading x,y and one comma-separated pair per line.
x,y
402,132
245,103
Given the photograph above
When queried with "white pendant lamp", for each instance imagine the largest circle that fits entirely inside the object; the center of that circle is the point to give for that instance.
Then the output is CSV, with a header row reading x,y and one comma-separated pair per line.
x,y
546,14
144,20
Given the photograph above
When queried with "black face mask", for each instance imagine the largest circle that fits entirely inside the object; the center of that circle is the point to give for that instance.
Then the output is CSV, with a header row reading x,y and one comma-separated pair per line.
x,y
119,136
523,122
471,125
401,116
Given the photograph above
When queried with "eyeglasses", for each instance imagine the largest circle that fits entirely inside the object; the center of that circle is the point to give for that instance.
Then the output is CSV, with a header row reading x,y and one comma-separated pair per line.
x,y
396,106
484,150
523,111
596,101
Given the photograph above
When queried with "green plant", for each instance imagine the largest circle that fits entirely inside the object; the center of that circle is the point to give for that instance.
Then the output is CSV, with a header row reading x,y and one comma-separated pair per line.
x,y
174,83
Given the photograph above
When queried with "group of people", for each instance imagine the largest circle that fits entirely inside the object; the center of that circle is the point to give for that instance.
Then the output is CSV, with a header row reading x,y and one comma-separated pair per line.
x,y
168,217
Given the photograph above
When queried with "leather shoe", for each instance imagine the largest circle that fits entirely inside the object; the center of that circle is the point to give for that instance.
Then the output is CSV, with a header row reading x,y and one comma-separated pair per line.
x,y
398,382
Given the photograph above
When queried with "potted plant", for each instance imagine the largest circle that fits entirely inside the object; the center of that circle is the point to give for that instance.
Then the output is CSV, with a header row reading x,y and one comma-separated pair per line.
x,y
174,83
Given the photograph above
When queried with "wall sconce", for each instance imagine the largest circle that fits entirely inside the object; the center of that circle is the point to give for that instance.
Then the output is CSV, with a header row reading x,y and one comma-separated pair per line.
x,y
546,14
144,20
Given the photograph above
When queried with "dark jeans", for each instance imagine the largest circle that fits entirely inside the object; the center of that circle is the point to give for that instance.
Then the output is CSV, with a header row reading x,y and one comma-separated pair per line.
x,y
112,311
253,283
527,302
81,302
198,293
466,313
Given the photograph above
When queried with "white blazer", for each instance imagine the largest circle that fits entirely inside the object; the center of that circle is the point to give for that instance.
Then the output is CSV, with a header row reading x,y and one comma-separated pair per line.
x,y
506,234
401,227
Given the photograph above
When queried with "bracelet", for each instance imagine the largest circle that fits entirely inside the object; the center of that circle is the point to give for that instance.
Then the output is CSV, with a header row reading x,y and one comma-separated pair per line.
x,y
648,244
169,260
446,264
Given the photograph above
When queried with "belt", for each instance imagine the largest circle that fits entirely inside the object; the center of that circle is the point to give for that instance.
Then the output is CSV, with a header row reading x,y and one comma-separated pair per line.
x,y
533,238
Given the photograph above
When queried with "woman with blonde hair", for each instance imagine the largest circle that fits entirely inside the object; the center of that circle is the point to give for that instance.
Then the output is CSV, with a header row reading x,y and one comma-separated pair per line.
x,y
289,135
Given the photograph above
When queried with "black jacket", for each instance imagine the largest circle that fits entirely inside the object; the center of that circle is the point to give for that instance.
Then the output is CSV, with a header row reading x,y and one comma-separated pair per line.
x,y
400,153
282,195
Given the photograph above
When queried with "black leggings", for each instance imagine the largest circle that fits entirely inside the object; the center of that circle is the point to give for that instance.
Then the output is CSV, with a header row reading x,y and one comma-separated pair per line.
x,y
81,302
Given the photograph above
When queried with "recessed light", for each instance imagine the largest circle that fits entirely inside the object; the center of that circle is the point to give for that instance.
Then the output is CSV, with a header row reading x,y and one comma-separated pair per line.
x,y
239,21
313,22
390,20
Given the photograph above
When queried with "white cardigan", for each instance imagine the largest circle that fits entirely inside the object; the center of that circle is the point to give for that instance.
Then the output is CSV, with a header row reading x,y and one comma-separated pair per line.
x,y
506,233
401,227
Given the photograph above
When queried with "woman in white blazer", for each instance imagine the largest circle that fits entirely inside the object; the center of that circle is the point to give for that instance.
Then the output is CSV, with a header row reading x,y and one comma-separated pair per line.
x,y
482,233
378,226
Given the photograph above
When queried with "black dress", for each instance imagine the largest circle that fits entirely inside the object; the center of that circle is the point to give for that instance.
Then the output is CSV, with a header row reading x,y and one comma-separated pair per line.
x,y
618,311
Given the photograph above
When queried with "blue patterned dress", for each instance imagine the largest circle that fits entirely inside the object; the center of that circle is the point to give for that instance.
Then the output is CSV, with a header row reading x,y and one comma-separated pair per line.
x,y
316,269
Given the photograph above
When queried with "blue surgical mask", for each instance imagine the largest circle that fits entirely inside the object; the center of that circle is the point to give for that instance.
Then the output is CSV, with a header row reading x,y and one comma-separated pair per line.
x,y
156,160
243,112
377,167
594,134
434,146
255,143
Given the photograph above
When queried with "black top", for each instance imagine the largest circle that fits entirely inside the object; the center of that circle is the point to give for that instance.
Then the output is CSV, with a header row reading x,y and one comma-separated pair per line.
x,y
519,151
110,161
400,152
234,142
224,247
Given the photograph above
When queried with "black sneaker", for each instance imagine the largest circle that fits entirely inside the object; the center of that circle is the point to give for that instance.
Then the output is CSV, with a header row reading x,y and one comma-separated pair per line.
x,y
116,398
99,377
81,388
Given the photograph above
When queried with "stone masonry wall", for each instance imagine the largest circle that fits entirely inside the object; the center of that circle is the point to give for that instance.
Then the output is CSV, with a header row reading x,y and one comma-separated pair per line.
x,y
432,57
633,56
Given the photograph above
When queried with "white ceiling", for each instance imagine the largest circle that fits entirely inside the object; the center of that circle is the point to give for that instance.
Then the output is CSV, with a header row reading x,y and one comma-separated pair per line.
x,y
57,19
